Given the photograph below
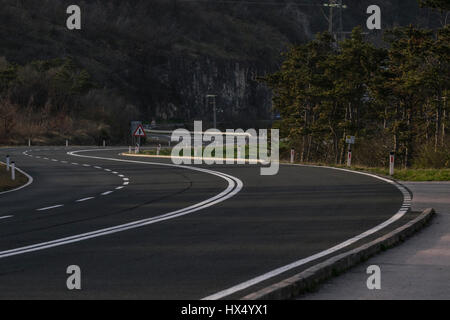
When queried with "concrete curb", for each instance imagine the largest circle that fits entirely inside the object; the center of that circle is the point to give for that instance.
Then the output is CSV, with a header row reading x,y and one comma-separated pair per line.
x,y
313,276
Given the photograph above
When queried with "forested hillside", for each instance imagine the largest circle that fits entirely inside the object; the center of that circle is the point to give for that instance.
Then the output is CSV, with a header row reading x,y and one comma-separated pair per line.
x,y
155,59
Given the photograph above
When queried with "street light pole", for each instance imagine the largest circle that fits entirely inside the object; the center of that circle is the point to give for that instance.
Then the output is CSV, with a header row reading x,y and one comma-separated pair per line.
x,y
214,109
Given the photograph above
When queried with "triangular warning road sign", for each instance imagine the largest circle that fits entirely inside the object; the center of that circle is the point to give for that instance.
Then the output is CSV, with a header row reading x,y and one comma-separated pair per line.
x,y
139,132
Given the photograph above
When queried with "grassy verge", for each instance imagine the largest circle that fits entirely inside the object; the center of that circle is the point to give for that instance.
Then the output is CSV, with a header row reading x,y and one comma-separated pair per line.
x,y
407,174
5,179
222,152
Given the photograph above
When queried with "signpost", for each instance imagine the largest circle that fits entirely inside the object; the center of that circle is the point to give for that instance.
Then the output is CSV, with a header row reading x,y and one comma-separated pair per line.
x,y
139,132
350,140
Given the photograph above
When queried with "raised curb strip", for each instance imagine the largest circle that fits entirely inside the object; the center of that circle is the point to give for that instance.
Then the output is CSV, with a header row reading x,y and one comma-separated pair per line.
x,y
313,276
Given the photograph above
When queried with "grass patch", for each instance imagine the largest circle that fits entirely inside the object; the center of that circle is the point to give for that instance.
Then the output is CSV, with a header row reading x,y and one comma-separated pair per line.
x,y
5,179
222,152
407,174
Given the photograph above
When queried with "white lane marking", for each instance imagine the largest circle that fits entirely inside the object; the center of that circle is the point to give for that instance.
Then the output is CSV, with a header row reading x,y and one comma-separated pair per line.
x,y
114,172
234,186
403,210
86,165
85,199
46,158
5,217
49,208
97,167
118,188
54,160
126,183
106,193
121,175
74,163
38,157
108,170
125,179
30,181
65,162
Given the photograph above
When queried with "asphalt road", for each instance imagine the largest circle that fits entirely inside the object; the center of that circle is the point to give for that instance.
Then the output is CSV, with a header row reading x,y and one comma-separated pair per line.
x,y
228,236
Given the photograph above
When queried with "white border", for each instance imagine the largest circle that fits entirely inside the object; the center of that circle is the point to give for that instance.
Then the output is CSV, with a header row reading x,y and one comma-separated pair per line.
x,y
234,186
403,210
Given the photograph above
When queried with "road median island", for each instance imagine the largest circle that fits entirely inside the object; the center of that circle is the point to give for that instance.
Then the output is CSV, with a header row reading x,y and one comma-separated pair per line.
x,y
310,278
7,184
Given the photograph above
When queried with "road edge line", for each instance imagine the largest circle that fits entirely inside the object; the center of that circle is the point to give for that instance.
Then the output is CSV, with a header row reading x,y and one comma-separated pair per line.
x,y
310,278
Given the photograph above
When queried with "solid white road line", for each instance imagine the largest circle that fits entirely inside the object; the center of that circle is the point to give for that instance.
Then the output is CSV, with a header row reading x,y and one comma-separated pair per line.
x,y
5,217
247,284
85,199
234,186
49,208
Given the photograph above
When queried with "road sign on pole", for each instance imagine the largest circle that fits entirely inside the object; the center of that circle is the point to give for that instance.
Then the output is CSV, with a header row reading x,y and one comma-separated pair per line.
x,y
139,132
350,139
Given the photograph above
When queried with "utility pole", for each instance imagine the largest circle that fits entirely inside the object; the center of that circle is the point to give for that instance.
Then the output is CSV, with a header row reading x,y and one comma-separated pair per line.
x,y
331,5
213,96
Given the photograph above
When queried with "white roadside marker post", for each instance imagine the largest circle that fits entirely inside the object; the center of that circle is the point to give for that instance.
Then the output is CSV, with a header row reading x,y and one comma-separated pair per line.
x,y
7,162
13,171
67,143
158,149
349,157
104,143
292,155
29,142
391,163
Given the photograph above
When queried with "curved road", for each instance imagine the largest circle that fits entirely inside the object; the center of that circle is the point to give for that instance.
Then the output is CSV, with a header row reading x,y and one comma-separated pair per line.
x,y
82,210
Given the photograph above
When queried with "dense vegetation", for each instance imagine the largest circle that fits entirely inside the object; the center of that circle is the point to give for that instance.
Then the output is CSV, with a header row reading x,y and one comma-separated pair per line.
x,y
153,59
391,99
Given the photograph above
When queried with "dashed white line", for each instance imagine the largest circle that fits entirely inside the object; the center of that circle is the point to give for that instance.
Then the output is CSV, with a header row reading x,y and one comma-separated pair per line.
x,y
86,165
121,175
106,193
121,187
85,199
74,163
5,217
97,167
108,170
126,183
49,208
126,179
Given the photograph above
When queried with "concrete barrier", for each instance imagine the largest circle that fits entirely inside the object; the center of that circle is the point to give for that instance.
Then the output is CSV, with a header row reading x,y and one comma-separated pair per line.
x,y
310,278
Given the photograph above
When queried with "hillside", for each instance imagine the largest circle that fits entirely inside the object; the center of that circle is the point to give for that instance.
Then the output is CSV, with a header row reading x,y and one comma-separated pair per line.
x,y
158,59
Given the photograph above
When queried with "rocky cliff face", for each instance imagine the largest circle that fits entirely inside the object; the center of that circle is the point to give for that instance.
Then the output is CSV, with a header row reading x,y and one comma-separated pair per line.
x,y
165,56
